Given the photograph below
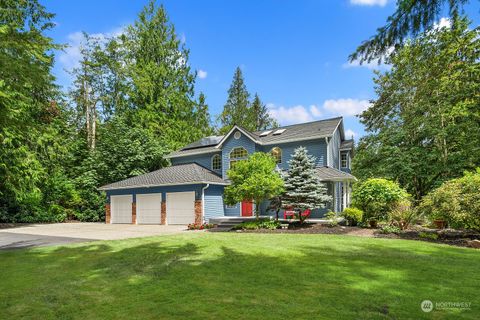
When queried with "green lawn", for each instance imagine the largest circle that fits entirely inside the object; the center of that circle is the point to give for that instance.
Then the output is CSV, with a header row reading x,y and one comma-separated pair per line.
x,y
239,276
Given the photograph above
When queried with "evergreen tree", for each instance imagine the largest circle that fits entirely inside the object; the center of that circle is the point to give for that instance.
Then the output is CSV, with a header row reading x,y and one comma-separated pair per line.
x,y
237,109
162,90
261,118
410,18
202,118
303,189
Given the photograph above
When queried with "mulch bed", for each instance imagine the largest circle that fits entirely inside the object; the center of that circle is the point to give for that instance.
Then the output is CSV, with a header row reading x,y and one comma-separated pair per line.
x,y
460,238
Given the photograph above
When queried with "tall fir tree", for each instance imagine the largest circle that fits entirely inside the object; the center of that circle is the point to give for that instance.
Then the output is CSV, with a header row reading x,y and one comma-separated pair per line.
x,y
260,116
162,94
202,118
237,109
303,189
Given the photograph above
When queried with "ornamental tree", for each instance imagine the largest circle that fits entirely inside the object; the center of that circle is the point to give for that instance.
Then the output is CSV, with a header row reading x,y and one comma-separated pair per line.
x,y
303,188
255,179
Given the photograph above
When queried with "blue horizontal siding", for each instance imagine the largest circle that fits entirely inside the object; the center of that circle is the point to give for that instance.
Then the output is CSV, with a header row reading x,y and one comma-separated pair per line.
x,y
213,202
316,148
232,143
205,160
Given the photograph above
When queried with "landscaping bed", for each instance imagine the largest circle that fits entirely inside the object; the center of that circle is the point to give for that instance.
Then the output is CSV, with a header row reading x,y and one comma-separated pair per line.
x,y
454,237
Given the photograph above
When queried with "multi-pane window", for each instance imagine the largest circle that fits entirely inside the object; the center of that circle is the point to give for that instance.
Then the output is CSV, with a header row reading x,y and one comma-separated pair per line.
x,y
344,160
277,154
217,162
236,155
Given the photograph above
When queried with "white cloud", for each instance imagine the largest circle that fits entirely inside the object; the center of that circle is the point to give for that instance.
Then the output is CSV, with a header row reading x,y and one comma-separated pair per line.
x,y
315,111
349,133
380,3
71,55
299,113
443,23
345,107
202,74
289,115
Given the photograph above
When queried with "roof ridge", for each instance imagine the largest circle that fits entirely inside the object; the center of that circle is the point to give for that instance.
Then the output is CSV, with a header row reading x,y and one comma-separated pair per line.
x,y
299,124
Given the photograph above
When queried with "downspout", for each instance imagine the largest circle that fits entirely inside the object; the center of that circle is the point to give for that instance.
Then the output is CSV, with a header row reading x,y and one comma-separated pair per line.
x,y
203,200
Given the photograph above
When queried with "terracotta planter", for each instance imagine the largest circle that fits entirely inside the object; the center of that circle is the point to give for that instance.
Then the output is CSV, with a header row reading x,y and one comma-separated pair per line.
x,y
373,223
439,224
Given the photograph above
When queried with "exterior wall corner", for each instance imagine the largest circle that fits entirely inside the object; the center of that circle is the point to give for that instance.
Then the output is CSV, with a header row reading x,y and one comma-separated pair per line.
x,y
107,213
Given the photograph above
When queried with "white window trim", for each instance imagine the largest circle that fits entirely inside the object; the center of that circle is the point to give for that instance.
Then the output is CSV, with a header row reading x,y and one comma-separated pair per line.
x,y
221,165
346,156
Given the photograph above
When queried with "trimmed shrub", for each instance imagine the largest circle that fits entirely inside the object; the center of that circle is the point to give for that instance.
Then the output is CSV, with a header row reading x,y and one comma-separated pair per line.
x,y
456,201
377,197
258,224
352,215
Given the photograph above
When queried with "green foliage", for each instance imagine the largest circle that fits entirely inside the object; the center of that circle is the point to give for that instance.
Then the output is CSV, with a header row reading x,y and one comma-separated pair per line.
x,y
456,201
377,198
303,189
254,179
352,215
423,127
238,110
332,218
428,235
258,224
402,215
410,18
390,229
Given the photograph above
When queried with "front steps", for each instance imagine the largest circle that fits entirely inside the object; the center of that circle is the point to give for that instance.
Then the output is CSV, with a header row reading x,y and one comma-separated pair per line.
x,y
227,223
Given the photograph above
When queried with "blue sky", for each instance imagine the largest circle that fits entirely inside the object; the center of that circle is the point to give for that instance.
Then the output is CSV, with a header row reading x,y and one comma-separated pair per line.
x,y
293,53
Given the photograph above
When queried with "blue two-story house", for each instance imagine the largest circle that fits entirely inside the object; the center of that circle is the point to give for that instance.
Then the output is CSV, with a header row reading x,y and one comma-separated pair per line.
x,y
191,190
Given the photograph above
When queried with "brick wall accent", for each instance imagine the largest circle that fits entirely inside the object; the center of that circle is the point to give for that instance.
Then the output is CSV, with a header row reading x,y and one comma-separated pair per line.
x,y
107,213
198,212
134,213
163,216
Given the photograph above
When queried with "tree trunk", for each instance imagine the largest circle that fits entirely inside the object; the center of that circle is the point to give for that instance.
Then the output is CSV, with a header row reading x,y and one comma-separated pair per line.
x,y
257,209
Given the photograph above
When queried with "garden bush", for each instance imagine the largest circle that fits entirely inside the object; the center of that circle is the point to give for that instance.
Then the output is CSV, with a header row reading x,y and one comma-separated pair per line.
x,y
258,224
456,201
352,215
377,197
402,215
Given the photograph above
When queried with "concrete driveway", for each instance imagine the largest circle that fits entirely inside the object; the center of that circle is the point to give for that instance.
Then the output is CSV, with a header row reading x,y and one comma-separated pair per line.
x,y
34,235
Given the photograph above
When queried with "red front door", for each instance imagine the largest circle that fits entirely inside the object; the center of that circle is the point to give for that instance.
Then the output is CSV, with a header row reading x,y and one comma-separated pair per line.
x,y
247,209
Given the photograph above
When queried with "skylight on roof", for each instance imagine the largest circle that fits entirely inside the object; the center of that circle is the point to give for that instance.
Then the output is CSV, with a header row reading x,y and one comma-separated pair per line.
x,y
279,131
265,133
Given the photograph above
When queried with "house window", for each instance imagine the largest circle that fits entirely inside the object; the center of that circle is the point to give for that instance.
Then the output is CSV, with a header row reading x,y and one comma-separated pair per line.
x,y
277,154
217,162
237,154
344,160
230,207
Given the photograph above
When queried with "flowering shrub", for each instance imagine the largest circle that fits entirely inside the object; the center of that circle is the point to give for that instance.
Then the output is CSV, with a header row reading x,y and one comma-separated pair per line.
x,y
196,226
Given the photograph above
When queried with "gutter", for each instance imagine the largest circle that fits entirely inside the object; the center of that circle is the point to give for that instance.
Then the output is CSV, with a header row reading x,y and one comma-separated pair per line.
x,y
203,200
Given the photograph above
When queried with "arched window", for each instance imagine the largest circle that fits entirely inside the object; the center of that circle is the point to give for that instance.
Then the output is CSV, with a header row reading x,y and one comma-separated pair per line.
x,y
277,154
237,154
216,162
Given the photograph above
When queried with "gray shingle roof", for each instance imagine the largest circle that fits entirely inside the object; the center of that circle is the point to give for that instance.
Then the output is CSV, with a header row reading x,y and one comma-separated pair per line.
x,y
296,132
332,174
190,173
347,144
316,129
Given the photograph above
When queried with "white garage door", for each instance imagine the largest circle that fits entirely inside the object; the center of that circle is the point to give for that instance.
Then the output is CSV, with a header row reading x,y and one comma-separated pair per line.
x,y
180,207
121,209
149,207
